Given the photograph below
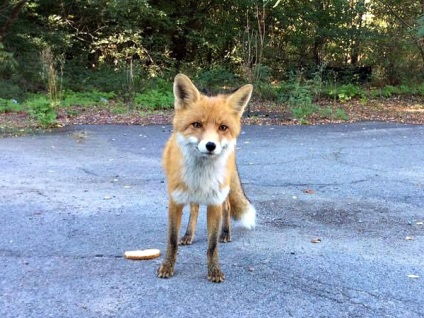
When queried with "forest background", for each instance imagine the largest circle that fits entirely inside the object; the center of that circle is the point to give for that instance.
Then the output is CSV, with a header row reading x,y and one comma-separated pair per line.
x,y
304,57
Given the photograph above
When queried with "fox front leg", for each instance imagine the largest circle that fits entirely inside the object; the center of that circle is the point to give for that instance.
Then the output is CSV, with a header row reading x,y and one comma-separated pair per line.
x,y
214,219
174,222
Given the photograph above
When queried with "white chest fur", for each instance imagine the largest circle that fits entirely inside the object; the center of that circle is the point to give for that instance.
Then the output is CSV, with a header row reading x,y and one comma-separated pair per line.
x,y
203,175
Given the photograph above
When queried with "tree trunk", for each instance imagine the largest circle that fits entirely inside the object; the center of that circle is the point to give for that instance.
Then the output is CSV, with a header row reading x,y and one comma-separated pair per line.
x,y
357,26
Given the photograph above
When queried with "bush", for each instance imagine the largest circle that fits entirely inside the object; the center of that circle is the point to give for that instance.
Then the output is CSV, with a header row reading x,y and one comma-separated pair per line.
x,y
42,109
329,113
347,92
9,90
155,99
420,89
266,91
10,105
407,90
157,93
80,79
298,94
294,93
389,90
217,78
303,112
90,98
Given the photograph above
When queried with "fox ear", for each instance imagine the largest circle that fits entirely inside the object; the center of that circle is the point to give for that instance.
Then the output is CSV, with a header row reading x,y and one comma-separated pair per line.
x,y
184,91
239,99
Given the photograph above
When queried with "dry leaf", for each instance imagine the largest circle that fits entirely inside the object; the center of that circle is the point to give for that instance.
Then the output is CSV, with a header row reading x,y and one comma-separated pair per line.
x,y
413,276
308,191
317,240
409,238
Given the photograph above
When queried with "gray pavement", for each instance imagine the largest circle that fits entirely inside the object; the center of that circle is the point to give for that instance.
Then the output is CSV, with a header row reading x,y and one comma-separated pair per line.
x,y
71,203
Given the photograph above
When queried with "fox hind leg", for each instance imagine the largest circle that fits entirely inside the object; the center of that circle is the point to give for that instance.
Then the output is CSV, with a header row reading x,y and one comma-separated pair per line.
x,y
188,237
226,222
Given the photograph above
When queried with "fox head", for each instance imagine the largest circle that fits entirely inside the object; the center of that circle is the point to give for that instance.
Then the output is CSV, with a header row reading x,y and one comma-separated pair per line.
x,y
207,125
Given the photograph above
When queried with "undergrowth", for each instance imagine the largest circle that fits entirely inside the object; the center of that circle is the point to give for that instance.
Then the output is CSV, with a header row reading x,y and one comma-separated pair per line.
x,y
304,96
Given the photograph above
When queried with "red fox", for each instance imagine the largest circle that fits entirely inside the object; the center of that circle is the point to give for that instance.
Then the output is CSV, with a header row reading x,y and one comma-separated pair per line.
x,y
200,167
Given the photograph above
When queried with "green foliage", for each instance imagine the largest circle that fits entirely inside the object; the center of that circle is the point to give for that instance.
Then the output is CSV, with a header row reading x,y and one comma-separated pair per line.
x,y
50,65
120,46
340,114
347,92
295,92
298,93
41,108
329,113
8,63
420,89
89,98
299,97
10,90
104,78
389,90
96,46
407,90
9,106
217,77
155,99
157,93
266,91
303,112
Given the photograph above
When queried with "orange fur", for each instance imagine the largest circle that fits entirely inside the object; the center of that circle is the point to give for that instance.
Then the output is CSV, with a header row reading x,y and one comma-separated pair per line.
x,y
200,166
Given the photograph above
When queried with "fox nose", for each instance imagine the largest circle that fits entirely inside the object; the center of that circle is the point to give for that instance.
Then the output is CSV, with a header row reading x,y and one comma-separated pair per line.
x,y
210,146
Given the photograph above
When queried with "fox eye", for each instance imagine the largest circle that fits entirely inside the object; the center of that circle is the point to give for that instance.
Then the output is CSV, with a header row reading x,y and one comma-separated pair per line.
x,y
223,127
196,124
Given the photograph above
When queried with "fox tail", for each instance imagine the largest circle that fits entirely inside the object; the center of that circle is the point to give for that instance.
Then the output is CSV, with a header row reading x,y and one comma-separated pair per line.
x,y
241,208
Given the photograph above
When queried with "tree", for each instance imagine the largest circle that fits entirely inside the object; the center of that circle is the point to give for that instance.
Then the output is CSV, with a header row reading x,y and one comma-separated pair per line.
x,y
255,39
9,12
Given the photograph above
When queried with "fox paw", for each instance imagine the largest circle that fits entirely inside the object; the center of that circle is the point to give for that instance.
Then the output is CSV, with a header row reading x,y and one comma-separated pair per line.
x,y
186,240
216,276
166,270
225,237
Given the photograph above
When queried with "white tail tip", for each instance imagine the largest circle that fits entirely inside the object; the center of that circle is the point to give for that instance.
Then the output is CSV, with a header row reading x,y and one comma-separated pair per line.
x,y
248,220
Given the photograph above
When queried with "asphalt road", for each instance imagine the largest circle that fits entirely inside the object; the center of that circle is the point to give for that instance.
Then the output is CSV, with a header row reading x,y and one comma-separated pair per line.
x,y
73,201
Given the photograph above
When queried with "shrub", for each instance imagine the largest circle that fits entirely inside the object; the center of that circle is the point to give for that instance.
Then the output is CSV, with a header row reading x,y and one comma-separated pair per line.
x,y
420,89
299,97
10,105
42,109
217,77
155,99
10,90
266,91
105,78
340,114
347,92
389,90
294,93
407,90
90,98
303,112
